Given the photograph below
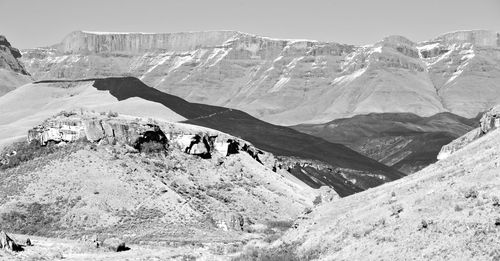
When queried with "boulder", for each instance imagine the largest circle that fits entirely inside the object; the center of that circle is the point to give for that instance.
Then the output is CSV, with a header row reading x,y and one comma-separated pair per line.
x,y
7,243
229,221
114,244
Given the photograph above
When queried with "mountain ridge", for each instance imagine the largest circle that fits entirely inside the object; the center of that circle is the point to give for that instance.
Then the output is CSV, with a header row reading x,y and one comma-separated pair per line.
x,y
289,82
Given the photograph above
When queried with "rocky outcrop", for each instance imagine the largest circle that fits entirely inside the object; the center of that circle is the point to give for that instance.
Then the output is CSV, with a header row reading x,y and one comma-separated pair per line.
x,y
105,129
114,244
458,144
12,72
7,243
228,221
488,122
290,81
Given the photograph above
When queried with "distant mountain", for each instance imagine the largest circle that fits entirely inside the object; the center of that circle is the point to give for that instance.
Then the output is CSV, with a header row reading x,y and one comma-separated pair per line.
x,y
404,141
12,72
290,82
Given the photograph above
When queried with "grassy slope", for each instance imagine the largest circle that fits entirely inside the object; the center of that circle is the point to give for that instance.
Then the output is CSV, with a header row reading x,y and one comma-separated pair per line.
x,y
448,211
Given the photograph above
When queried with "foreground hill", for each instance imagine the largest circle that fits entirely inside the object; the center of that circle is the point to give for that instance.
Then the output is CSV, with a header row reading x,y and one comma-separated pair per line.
x,y
404,141
447,211
12,72
289,82
94,182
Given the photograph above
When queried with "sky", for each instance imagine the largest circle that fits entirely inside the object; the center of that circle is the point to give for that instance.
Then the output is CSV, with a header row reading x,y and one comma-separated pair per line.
x,y
37,23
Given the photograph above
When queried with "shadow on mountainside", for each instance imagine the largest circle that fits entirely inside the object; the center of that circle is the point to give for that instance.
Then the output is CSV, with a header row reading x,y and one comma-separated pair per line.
x,y
279,140
405,141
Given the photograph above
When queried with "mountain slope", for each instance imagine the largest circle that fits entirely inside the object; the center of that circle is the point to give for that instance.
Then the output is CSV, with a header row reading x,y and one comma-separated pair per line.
x,y
166,199
405,141
278,140
447,211
290,82
12,72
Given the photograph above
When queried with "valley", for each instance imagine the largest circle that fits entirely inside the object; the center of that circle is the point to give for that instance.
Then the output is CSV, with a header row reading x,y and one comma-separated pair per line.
x,y
225,145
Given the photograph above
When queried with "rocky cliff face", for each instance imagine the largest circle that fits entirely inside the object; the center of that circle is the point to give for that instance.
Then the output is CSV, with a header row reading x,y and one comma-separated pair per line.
x,y
291,81
12,72
138,43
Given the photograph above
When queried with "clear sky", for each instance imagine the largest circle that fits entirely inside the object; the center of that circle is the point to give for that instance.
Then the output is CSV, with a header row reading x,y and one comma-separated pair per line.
x,y
41,23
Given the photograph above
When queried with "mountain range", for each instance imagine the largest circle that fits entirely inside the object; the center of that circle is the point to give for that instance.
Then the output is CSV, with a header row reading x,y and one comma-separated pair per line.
x,y
290,82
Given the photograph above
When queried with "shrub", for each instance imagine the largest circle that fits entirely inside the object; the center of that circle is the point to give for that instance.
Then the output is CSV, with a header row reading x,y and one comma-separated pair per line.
x,y
282,253
34,219
317,200
396,210
112,114
66,113
24,152
152,147
471,193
